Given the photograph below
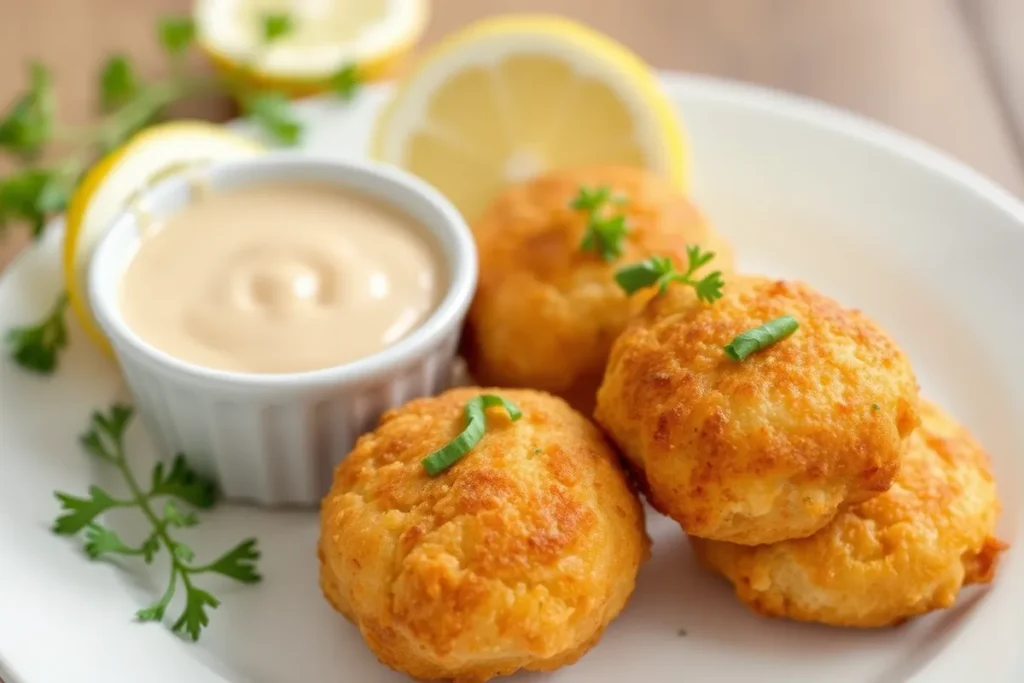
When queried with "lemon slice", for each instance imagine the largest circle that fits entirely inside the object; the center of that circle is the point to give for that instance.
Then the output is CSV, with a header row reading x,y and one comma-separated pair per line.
x,y
327,36
512,97
110,184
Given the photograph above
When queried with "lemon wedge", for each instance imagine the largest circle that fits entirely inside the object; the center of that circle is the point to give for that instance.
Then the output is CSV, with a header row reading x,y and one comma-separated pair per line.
x,y
326,37
514,96
110,184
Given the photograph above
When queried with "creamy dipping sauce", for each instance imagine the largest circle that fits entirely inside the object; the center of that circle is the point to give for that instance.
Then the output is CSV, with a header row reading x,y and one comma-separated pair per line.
x,y
281,277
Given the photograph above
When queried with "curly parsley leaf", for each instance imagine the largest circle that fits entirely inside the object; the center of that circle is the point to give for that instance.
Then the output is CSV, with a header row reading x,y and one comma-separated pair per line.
x,y
176,518
118,83
194,617
80,512
27,125
34,194
37,347
660,271
176,34
345,83
150,547
272,112
100,540
276,25
182,552
239,563
155,612
605,232
590,199
183,483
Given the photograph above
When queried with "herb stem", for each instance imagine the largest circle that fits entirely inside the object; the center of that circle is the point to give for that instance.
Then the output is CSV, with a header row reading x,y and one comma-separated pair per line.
x,y
122,504
136,113
172,582
183,573
75,135
132,552
200,569
141,500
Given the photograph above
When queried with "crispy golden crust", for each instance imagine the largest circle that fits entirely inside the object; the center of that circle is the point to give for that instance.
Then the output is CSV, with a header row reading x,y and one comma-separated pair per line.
x,y
517,557
900,554
546,313
765,449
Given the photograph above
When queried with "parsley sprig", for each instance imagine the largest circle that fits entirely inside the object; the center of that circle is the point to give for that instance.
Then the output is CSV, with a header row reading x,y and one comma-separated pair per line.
x,y
660,271
37,347
36,192
168,488
605,230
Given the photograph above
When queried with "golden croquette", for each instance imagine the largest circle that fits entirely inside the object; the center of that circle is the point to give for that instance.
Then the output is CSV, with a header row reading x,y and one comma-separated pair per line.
x,y
546,312
771,447
903,553
516,557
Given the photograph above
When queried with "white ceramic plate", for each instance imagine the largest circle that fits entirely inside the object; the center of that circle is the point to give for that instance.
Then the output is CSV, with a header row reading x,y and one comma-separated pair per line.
x,y
926,246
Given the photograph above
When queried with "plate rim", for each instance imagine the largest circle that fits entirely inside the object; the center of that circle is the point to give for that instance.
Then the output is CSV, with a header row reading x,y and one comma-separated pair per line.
x,y
805,111
819,114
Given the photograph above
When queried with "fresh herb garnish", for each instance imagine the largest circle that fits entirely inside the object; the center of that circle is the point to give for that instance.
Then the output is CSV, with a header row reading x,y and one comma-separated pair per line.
x,y
33,194
476,424
128,103
37,347
178,484
176,34
345,83
660,271
605,231
277,25
118,83
28,123
761,337
273,112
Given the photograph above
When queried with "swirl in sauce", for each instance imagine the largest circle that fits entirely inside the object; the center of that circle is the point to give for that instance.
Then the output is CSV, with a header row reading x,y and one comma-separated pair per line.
x,y
281,277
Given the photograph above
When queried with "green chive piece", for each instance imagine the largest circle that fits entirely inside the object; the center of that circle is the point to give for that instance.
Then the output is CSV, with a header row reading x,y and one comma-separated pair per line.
x,y
476,425
761,337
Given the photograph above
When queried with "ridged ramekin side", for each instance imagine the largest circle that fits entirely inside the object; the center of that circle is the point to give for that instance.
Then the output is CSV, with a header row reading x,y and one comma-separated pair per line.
x,y
279,452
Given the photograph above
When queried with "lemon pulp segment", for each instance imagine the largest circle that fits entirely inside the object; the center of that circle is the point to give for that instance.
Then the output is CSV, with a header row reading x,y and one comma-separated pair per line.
x,y
513,98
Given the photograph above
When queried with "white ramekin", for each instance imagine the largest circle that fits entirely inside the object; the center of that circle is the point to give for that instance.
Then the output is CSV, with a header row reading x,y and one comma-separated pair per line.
x,y
275,439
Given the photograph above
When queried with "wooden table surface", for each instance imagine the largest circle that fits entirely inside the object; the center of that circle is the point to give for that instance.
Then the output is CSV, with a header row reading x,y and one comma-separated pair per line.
x,y
948,71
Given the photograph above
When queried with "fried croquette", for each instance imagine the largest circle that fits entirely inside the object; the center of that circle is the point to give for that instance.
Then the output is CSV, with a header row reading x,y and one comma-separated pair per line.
x,y
546,311
516,557
900,554
770,447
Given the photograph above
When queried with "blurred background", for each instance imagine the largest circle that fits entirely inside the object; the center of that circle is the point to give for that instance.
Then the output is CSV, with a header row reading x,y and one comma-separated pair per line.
x,y
948,71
